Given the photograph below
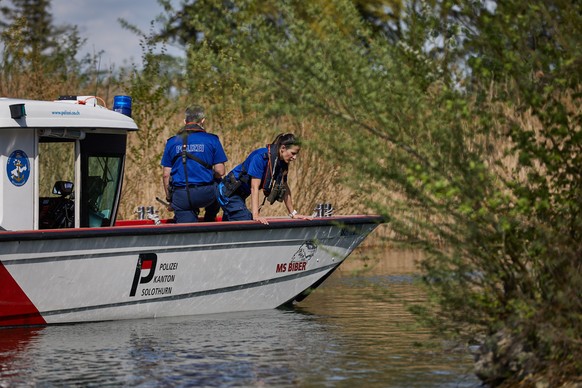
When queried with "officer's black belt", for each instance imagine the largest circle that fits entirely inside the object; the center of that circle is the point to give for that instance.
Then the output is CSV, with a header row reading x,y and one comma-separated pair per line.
x,y
191,185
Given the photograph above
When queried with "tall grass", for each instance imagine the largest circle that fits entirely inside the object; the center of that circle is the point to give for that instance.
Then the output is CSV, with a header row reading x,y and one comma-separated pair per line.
x,y
312,179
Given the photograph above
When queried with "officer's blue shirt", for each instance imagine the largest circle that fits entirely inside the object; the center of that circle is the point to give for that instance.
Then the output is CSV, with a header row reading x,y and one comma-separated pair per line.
x,y
205,146
255,165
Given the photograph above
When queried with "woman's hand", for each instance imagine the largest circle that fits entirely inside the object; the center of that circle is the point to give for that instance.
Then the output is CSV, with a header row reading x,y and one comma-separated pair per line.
x,y
262,220
297,216
301,217
255,189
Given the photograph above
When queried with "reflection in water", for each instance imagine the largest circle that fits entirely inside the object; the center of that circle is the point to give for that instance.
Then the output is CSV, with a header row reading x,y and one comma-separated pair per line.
x,y
13,342
384,346
349,331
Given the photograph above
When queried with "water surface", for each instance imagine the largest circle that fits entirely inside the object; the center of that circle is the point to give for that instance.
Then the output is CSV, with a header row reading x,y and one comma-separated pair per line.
x,y
352,331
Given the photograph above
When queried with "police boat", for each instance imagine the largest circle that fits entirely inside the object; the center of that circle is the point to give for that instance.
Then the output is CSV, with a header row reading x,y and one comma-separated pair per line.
x,y
66,258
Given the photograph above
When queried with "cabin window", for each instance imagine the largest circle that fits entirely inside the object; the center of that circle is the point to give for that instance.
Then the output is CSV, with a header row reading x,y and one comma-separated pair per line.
x,y
101,189
56,163
102,160
56,166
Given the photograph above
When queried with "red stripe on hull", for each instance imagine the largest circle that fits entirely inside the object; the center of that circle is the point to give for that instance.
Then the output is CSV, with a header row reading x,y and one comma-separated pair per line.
x,y
15,307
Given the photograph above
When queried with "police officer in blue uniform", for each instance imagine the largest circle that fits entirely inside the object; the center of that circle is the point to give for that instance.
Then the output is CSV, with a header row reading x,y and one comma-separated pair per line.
x,y
265,169
193,161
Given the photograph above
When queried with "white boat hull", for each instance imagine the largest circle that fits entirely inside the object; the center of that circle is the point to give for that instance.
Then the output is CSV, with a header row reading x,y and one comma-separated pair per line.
x,y
96,274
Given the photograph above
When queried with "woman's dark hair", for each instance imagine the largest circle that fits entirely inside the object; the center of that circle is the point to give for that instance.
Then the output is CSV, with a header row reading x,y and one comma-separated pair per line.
x,y
286,139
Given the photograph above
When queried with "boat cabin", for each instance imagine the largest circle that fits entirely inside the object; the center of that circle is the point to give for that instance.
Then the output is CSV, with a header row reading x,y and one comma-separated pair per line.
x,y
62,162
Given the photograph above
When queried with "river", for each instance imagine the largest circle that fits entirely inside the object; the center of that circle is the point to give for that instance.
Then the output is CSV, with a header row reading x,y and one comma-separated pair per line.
x,y
354,330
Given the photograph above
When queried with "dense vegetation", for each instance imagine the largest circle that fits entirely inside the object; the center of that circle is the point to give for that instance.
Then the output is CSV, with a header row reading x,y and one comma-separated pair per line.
x,y
460,122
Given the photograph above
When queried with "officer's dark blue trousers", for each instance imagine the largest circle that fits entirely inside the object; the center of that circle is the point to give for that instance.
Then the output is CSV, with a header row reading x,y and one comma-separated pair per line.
x,y
187,210
234,207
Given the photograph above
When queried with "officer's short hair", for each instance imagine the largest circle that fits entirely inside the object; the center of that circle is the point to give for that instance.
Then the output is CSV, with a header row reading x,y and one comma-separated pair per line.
x,y
194,114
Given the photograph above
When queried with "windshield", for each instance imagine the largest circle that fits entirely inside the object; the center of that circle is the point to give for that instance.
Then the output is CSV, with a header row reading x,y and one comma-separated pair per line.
x,y
101,189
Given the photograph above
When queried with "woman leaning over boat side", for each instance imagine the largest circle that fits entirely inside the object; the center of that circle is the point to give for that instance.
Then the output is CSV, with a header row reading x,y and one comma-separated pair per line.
x,y
264,169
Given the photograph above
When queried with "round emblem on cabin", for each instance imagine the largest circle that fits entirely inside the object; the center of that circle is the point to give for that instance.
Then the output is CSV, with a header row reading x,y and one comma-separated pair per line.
x,y
18,168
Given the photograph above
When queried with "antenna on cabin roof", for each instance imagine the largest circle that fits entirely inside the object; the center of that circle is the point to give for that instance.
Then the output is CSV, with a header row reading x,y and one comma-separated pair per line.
x,y
97,75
